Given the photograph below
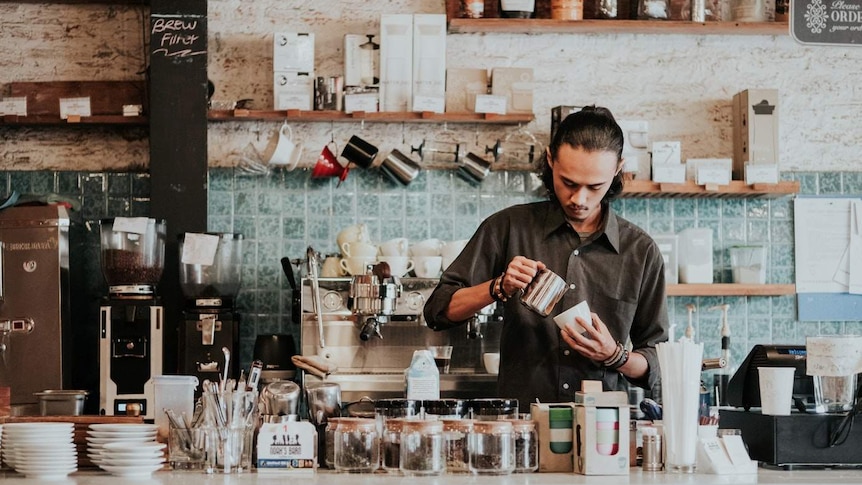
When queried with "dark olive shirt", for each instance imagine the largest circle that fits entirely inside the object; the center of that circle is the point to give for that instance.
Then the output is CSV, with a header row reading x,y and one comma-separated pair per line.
x,y
619,271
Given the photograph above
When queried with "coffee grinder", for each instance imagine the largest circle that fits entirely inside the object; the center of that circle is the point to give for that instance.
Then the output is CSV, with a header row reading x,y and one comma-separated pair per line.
x,y
210,277
130,342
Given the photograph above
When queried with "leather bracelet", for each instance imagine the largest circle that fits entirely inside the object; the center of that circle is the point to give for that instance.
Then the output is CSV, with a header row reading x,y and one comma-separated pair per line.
x,y
492,289
621,362
613,360
503,295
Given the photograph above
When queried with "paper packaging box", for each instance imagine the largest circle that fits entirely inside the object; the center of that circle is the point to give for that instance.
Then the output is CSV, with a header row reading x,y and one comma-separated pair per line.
x,y
462,87
429,55
353,59
293,90
636,147
293,51
289,447
554,425
558,114
755,129
396,62
668,244
517,84
668,174
693,165
601,431
761,173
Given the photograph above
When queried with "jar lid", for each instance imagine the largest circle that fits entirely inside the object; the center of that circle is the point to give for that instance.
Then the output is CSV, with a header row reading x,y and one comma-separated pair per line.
x,y
445,407
395,425
493,407
397,407
463,425
492,427
356,424
522,424
421,425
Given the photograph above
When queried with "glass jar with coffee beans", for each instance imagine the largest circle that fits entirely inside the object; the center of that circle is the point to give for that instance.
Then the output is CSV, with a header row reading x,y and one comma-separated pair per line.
x,y
491,448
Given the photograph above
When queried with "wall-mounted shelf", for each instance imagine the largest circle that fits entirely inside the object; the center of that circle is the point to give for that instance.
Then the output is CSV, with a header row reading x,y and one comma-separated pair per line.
x,y
730,289
737,188
84,120
386,117
550,26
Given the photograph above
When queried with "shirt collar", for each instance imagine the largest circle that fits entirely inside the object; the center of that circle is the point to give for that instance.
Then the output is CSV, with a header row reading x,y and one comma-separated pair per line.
x,y
555,218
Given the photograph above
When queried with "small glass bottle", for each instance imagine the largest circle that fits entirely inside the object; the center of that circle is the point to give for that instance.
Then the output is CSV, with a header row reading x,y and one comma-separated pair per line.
x,y
390,449
356,446
456,433
526,446
491,448
422,447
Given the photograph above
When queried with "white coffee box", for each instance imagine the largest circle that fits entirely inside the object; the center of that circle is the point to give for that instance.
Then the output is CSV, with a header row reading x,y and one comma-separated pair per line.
x,y
755,129
396,62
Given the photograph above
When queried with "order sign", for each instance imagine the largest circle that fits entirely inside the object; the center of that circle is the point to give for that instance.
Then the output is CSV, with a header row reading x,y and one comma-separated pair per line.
x,y
830,22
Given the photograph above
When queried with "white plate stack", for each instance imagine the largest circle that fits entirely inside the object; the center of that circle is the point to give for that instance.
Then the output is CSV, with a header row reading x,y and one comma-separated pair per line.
x,y
127,450
44,451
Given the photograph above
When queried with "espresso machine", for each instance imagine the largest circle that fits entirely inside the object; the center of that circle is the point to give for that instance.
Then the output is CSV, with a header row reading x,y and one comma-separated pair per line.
x,y
130,343
35,318
210,278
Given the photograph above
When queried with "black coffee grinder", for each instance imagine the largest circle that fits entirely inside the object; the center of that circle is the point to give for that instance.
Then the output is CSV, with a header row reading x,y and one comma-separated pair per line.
x,y
130,342
210,277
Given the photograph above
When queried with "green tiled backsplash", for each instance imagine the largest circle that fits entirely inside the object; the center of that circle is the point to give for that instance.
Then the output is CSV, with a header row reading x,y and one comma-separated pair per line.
x,y
285,212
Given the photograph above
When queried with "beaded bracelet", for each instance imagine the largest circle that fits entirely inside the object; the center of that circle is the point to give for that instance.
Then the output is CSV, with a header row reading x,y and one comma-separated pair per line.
x,y
618,359
492,290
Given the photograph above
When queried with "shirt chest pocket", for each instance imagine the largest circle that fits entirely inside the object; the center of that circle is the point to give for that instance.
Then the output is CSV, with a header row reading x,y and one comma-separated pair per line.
x,y
617,311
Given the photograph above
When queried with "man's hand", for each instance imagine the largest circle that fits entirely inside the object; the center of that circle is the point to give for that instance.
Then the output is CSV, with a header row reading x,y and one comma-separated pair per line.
x,y
519,273
596,343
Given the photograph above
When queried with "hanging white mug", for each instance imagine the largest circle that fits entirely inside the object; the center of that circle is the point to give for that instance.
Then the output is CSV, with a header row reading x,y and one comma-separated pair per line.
x,y
287,152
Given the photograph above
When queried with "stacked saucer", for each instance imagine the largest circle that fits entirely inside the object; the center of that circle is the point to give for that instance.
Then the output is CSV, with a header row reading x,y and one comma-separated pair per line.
x,y
100,437
44,451
132,460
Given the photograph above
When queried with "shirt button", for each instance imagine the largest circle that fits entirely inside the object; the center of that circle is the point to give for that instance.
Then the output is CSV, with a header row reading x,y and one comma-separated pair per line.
x,y
565,386
567,352
577,252
572,286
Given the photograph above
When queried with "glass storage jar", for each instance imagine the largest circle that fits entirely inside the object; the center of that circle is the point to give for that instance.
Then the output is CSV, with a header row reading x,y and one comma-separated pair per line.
x,y
390,449
491,448
394,408
455,435
445,408
329,442
422,447
526,446
356,446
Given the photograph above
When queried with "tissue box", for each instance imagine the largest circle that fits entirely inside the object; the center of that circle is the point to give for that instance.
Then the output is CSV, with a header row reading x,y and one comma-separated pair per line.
x,y
554,425
755,129
602,429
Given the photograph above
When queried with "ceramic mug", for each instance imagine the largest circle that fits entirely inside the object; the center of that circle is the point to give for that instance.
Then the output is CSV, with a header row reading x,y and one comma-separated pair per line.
x,y
354,233
331,267
427,266
327,164
428,247
359,249
398,265
287,152
394,247
451,250
356,266
359,151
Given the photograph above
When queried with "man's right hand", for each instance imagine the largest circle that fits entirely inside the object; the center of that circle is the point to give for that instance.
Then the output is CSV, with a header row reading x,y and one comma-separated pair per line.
x,y
519,273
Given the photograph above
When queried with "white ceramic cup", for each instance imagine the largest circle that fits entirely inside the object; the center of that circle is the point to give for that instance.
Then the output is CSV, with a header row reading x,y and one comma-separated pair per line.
x,y
428,247
287,151
398,265
394,247
356,266
331,267
776,390
491,361
451,250
354,233
427,266
359,249
567,318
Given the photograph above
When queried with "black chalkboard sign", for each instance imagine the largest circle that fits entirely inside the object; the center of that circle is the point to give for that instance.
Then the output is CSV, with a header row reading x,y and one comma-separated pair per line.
x,y
178,37
829,22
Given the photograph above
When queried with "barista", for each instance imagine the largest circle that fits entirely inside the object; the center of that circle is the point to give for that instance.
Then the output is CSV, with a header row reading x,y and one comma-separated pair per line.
x,y
607,261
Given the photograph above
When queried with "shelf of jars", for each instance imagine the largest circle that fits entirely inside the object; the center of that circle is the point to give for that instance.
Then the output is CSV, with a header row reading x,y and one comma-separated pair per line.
x,y
551,26
380,117
736,189
730,289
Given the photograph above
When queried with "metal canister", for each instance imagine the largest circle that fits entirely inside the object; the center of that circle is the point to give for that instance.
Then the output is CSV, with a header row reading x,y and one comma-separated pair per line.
x,y
543,293
652,451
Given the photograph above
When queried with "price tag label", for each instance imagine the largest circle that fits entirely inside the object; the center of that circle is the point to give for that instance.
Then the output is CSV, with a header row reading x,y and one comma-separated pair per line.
x,y
433,104
490,103
199,249
15,106
134,225
74,107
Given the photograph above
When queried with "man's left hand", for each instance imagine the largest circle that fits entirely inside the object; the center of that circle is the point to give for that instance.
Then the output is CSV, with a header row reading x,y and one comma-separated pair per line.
x,y
596,343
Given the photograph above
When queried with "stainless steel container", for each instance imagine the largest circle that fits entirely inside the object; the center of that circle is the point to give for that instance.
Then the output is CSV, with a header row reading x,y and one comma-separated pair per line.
x,y
543,293
54,402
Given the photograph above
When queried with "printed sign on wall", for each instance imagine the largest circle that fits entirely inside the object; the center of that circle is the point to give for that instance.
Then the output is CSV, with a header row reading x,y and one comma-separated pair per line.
x,y
828,22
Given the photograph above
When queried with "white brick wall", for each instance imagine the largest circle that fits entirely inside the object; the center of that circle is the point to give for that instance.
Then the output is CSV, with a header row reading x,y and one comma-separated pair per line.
x,y
682,84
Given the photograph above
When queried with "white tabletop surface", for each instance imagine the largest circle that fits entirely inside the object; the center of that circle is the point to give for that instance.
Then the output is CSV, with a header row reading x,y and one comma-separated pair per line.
x,y
97,477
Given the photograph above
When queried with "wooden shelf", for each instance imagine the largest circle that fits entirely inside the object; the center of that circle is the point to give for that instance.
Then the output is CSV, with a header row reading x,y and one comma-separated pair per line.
x,y
386,117
550,26
54,120
736,189
730,289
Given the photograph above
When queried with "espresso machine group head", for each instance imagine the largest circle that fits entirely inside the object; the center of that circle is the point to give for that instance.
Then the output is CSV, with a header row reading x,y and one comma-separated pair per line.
x,y
373,299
